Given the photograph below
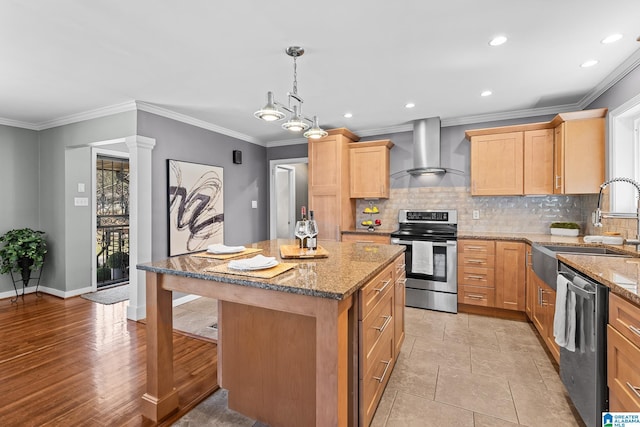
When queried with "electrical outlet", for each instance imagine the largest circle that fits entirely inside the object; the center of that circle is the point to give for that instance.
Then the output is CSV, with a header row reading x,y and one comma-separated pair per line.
x,y
476,214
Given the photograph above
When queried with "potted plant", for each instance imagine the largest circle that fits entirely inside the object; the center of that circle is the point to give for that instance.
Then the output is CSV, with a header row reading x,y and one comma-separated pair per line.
x,y
22,252
118,261
103,274
565,228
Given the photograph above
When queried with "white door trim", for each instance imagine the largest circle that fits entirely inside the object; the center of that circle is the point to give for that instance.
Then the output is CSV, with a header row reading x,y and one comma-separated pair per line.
x,y
272,186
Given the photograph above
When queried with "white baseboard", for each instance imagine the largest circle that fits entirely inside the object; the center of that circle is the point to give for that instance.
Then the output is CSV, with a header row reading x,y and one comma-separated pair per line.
x,y
185,299
46,290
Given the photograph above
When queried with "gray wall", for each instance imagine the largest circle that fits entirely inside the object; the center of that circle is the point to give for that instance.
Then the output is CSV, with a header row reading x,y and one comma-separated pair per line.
x,y
242,183
64,163
19,172
621,92
287,152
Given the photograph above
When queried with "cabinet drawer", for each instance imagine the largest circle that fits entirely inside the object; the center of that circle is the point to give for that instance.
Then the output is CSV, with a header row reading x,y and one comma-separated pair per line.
x,y
476,260
477,247
476,295
375,290
373,383
399,266
373,329
625,317
476,276
366,238
623,376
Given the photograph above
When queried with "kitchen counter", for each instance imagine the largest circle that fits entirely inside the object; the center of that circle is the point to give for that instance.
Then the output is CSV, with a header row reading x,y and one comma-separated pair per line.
x,y
287,346
347,268
621,275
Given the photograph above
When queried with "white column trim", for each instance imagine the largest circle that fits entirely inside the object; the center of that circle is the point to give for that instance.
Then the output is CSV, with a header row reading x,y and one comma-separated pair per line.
x,y
140,215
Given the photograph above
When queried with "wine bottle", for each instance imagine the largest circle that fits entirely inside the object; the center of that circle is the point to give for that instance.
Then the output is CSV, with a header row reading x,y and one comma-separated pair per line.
x,y
312,230
303,218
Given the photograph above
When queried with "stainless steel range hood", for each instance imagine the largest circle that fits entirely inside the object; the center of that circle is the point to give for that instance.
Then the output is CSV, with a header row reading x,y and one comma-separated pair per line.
x,y
426,149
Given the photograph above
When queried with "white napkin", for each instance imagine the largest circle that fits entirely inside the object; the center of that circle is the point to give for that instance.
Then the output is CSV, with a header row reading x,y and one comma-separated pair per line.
x,y
422,257
219,248
258,262
564,319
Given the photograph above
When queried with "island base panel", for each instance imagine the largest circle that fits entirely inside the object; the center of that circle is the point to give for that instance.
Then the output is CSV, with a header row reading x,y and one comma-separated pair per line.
x,y
268,364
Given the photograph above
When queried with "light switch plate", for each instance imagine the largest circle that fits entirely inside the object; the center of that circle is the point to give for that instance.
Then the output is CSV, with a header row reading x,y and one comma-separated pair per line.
x,y
254,204
476,214
81,201
81,187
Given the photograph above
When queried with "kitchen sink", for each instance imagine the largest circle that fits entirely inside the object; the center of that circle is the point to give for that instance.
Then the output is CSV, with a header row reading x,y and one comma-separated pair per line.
x,y
545,261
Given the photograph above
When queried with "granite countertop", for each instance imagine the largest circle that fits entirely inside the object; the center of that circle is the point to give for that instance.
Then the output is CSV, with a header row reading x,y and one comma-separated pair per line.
x,y
620,274
347,268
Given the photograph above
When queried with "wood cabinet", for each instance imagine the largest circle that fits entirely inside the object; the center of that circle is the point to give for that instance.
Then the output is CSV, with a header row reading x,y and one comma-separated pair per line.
x,y
366,237
381,331
563,156
623,353
496,164
476,259
538,161
328,181
509,275
491,274
399,302
369,169
543,305
579,154
528,279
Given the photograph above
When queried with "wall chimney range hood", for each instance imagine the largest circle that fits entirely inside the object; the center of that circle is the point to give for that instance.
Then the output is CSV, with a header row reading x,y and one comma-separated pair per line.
x,y
426,149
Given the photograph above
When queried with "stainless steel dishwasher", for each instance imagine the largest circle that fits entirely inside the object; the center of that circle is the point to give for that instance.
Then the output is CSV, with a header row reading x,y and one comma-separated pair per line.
x,y
584,371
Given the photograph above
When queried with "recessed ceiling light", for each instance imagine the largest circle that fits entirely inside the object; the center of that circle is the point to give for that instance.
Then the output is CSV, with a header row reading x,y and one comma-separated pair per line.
x,y
486,93
497,41
348,115
612,38
589,63
409,105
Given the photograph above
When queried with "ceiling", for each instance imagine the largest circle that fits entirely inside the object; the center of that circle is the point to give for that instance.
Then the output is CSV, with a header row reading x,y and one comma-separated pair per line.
x,y
212,63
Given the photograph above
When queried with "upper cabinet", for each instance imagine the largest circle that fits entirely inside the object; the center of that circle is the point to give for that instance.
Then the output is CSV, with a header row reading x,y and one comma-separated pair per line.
x,y
328,183
579,153
369,169
563,156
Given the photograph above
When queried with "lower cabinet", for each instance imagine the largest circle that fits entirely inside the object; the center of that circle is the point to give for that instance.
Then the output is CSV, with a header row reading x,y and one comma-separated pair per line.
x,y
542,300
623,354
381,332
492,274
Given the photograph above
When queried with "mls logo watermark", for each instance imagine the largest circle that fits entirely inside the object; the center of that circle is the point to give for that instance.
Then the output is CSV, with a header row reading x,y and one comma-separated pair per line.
x,y
621,419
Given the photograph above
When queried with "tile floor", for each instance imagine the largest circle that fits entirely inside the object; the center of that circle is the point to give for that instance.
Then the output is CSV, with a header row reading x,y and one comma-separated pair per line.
x,y
453,370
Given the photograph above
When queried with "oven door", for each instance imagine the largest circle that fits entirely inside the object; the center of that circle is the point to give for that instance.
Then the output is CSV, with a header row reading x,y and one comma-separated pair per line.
x,y
445,273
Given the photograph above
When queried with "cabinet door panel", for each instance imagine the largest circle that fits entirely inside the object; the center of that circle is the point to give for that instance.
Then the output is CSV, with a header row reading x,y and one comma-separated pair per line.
x,y
538,161
497,164
509,275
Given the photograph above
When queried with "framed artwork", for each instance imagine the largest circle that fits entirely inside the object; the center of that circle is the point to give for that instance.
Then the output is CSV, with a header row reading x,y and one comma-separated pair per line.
x,y
196,206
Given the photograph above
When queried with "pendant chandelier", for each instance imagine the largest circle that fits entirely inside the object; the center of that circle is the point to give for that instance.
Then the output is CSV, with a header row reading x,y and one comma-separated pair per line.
x,y
297,122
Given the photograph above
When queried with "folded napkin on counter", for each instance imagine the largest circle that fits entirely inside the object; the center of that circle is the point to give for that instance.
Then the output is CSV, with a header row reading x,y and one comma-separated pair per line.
x,y
258,262
219,248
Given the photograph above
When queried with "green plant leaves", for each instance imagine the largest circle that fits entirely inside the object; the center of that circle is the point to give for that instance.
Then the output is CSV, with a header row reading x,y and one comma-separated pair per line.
x,y
22,243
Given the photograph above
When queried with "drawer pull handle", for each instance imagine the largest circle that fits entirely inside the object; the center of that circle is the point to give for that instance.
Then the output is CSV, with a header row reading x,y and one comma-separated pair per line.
x,y
471,276
403,281
476,261
386,283
384,373
634,389
387,320
475,296
634,329
365,241
476,248
401,267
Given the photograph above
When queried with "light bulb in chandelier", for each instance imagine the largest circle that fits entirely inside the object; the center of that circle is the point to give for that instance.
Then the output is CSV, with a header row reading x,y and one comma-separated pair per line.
x,y
269,112
296,122
316,132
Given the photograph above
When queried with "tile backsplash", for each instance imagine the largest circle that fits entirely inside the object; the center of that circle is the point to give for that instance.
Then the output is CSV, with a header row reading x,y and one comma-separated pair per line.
x,y
531,214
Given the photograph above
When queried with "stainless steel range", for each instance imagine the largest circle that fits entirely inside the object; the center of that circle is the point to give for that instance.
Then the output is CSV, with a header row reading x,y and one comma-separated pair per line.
x,y
430,238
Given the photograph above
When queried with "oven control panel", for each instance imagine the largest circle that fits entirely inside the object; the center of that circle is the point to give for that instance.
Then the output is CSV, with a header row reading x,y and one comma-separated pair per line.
x,y
442,216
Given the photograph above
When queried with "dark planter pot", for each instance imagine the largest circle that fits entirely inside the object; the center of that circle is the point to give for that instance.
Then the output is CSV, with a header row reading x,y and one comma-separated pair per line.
x,y
25,269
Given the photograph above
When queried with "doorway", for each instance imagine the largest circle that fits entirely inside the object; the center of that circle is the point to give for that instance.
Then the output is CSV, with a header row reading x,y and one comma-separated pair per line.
x,y
112,220
289,192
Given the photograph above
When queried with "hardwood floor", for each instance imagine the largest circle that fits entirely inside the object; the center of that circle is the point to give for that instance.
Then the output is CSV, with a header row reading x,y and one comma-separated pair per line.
x,y
75,362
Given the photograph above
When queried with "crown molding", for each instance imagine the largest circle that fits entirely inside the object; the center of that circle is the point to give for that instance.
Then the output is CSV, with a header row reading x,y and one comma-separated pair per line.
x,y
88,115
161,111
614,77
18,124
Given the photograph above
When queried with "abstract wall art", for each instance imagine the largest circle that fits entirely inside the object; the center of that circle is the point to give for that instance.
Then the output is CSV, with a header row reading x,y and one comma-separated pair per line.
x,y
196,206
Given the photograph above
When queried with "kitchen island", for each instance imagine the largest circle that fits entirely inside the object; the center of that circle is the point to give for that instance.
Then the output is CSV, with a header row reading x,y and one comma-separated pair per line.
x,y
289,351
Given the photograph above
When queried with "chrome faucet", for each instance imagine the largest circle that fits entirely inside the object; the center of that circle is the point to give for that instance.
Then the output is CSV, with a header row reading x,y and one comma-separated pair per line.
x,y
597,222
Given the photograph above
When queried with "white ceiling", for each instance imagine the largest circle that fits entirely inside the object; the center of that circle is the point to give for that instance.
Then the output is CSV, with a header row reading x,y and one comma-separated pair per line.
x,y
213,62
